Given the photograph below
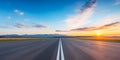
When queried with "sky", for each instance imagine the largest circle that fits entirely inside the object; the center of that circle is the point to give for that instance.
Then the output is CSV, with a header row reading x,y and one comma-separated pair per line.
x,y
69,17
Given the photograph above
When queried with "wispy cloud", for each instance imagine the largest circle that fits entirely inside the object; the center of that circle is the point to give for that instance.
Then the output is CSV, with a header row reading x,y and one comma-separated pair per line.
x,y
107,26
26,19
110,22
108,19
39,26
21,25
61,31
117,2
16,11
19,12
8,17
81,18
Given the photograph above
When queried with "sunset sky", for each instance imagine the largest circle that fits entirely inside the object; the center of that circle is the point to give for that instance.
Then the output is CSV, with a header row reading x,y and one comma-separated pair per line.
x,y
70,17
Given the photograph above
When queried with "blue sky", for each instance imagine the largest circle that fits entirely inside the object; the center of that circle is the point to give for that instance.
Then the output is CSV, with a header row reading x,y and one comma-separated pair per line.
x,y
46,16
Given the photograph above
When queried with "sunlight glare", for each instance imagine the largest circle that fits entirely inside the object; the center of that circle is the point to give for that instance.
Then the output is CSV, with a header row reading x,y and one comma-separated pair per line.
x,y
99,33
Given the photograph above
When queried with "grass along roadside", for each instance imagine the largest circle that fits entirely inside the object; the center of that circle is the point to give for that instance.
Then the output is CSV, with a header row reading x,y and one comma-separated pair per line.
x,y
21,39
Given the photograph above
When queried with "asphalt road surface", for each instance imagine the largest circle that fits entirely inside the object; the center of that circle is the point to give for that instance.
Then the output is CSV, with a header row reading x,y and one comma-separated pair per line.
x,y
59,49
90,50
29,50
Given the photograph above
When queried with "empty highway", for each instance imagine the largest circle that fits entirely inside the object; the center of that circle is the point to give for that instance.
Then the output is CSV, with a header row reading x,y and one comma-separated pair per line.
x,y
59,49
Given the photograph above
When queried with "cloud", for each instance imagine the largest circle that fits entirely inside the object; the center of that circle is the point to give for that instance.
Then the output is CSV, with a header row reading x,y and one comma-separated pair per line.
x,y
16,11
61,31
21,25
84,29
117,2
8,17
39,26
81,18
88,4
26,19
108,19
111,24
19,12
107,26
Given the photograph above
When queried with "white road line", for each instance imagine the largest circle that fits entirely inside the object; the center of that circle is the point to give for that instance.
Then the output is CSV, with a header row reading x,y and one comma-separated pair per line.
x,y
60,53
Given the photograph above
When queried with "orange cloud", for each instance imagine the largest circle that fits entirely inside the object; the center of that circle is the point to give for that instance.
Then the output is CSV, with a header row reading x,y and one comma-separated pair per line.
x,y
107,26
111,29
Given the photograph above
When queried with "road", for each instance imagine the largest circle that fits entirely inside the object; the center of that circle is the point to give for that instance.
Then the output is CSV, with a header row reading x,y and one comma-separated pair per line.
x,y
59,49
90,50
29,50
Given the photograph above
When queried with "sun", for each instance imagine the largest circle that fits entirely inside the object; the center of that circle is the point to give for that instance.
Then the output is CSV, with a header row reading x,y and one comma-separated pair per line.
x,y
99,33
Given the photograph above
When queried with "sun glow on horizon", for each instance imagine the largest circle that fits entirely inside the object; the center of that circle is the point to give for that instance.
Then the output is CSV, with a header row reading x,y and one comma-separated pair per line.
x,y
99,33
